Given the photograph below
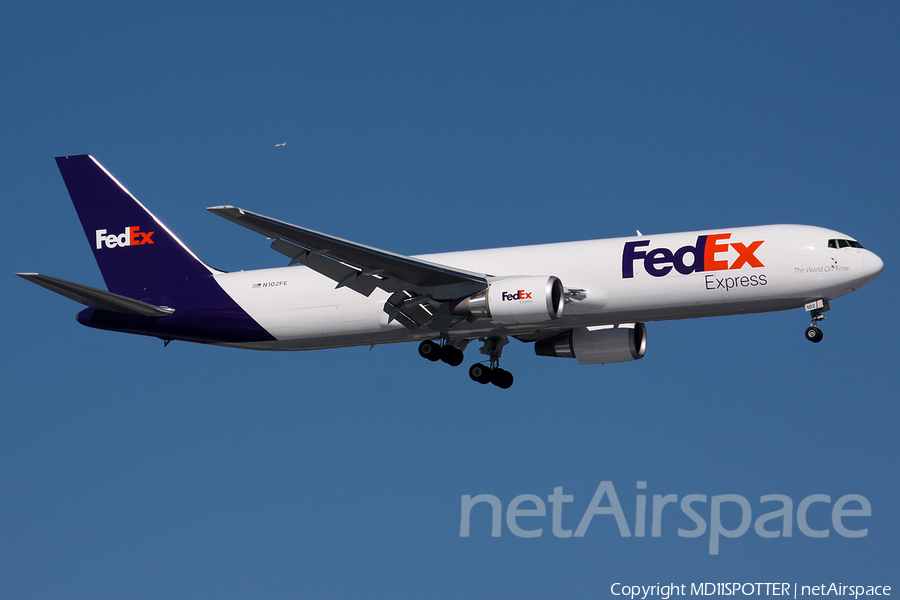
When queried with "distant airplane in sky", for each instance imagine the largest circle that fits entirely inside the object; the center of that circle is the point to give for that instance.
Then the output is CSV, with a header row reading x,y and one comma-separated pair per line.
x,y
281,144
584,300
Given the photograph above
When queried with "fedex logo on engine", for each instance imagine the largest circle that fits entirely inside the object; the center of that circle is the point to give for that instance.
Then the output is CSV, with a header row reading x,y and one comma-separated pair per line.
x,y
519,295
133,236
708,254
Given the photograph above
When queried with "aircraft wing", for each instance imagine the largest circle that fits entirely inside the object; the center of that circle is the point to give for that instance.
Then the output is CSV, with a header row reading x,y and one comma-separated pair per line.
x,y
418,287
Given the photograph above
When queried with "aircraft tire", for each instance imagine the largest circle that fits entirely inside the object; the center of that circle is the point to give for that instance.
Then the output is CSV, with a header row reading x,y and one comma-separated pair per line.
x,y
502,378
480,373
814,334
452,355
430,350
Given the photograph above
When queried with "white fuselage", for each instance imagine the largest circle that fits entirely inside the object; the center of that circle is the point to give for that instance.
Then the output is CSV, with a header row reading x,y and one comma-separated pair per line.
x,y
625,280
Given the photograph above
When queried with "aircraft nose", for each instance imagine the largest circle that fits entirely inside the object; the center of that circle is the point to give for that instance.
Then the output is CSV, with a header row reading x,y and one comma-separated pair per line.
x,y
872,265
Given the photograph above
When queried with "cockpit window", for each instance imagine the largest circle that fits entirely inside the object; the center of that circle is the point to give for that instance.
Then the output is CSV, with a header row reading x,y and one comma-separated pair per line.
x,y
844,244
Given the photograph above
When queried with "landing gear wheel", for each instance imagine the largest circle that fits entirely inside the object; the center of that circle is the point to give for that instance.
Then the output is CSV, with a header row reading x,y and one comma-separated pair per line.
x,y
493,373
480,373
814,334
430,350
452,355
502,378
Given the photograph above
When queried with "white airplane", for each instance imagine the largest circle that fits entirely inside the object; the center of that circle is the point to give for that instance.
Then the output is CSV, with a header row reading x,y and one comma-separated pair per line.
x,y
583,300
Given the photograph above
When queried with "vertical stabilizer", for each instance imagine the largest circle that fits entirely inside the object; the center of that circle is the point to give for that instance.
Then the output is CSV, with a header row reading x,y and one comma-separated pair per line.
x,y
133,249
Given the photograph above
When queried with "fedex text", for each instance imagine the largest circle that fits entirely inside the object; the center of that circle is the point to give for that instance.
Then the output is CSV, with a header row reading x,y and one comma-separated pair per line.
x,y
133,236
518,295
708,254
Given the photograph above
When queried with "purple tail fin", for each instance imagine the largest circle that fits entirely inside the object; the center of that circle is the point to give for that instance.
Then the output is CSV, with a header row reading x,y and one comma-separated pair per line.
x,y
133,249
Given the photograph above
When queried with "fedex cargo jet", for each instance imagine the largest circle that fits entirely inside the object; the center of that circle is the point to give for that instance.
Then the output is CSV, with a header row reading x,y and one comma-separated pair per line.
x,y
584,300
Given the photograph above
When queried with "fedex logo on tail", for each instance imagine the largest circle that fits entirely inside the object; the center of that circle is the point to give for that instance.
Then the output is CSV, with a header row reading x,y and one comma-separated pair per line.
x,y
133,236
708,254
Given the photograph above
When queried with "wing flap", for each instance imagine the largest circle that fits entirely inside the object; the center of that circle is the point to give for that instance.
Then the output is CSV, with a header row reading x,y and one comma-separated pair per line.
x,y
345,275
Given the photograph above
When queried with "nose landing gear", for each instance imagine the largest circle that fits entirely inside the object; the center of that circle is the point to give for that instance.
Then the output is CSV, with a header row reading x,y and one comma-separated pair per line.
x,y
815,309
814,334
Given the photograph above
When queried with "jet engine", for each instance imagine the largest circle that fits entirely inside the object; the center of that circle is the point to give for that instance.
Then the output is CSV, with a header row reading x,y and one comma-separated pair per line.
x,y
595,345
532,299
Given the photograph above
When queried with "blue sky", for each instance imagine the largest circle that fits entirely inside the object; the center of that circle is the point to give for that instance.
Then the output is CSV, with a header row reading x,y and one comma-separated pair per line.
x,y
129,470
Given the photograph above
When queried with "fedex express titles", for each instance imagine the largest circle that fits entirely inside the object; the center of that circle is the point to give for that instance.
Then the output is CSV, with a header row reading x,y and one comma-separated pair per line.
x,y
659,262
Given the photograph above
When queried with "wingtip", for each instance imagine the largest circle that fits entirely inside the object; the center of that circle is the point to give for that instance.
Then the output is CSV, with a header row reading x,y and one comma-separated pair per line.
x,y
232,213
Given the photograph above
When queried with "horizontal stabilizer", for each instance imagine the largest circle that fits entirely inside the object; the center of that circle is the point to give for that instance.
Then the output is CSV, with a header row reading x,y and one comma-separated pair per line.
x,y
99,299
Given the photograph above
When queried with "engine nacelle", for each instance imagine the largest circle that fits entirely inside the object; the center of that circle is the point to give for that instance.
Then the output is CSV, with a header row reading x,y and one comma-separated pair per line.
x,y
533,299
607,344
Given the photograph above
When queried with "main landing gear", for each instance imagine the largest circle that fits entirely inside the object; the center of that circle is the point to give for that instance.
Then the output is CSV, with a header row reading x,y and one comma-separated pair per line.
x,y
434,352
485,374
453,356
815,309
481,373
